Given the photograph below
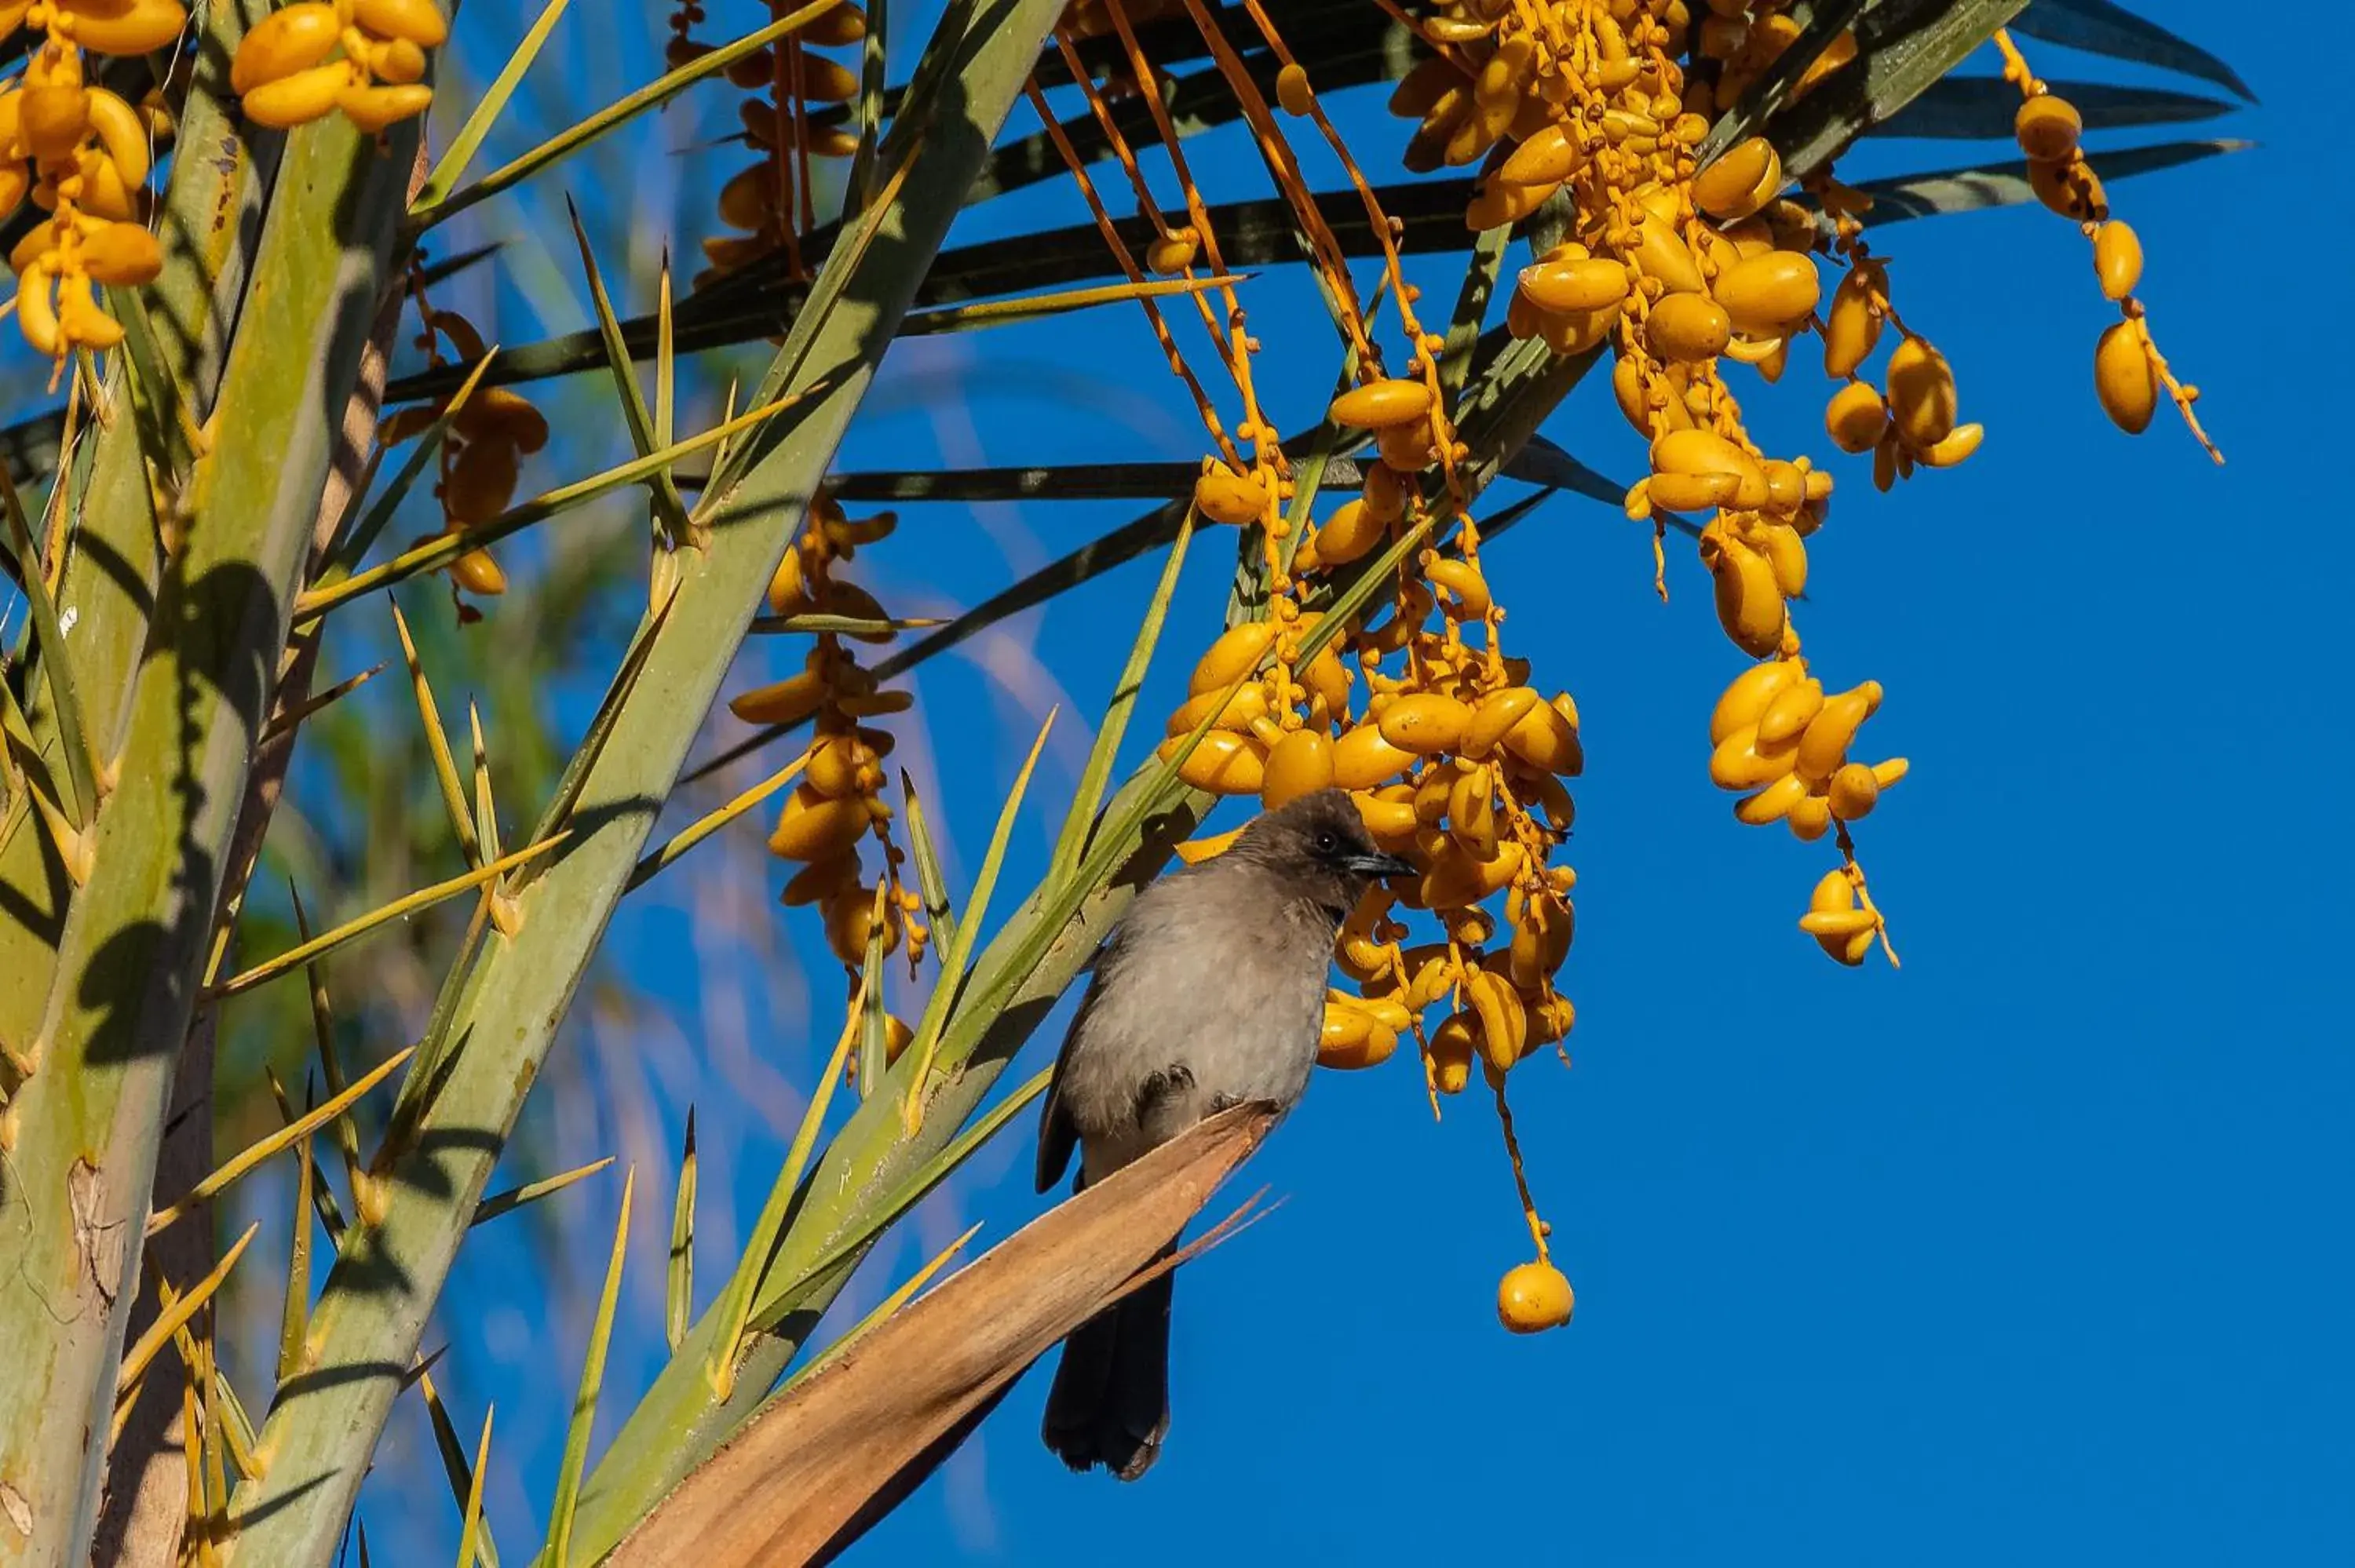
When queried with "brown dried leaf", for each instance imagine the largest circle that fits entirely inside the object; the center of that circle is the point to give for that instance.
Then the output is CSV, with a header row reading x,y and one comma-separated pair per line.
x,y
804,1476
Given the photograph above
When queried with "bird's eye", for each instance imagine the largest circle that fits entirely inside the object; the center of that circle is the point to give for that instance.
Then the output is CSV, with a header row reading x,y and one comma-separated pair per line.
x,y
1326,843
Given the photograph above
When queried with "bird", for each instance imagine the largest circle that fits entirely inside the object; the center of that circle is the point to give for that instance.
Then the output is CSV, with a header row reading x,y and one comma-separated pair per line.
x,y
1208,994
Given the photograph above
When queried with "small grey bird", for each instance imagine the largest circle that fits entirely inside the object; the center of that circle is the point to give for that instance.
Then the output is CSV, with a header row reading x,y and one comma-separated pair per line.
x,y
1210,993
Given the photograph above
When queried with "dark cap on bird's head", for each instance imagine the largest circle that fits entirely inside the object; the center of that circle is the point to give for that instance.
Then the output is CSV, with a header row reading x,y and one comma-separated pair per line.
x,y
1319,846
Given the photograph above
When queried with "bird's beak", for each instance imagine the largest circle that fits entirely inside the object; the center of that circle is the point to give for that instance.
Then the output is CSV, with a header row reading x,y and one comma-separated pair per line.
x,y
1379,865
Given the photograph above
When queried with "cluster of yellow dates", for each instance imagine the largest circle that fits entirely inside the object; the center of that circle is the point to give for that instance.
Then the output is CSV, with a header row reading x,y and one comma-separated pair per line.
x,y
1779,735
482,454
1745,41
365,57
1580,107
82,154
1913,417
1843,926
839,801
1679,270
1581,111
770,202
1456,762
2128,372
1756,547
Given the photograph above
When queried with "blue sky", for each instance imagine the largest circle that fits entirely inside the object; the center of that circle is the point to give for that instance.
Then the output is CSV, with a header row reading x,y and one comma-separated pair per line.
x,y
2034,1248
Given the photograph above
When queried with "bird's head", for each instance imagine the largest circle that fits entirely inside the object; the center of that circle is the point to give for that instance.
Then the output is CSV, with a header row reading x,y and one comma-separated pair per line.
x,y
1318,848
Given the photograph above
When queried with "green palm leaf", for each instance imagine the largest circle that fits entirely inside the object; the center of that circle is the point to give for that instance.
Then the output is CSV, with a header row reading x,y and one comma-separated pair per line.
x,y
2100,27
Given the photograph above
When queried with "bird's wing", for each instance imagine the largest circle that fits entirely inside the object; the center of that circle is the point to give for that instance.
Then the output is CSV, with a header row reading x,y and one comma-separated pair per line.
x,y
1058,1135
1057,1139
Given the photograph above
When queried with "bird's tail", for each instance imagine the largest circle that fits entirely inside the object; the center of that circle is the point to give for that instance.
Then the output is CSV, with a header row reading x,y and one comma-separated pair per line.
x,y
1110,1401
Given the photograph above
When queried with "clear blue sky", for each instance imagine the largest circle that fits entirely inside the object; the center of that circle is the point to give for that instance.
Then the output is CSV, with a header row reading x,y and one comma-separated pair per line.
x,y
2034,1250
